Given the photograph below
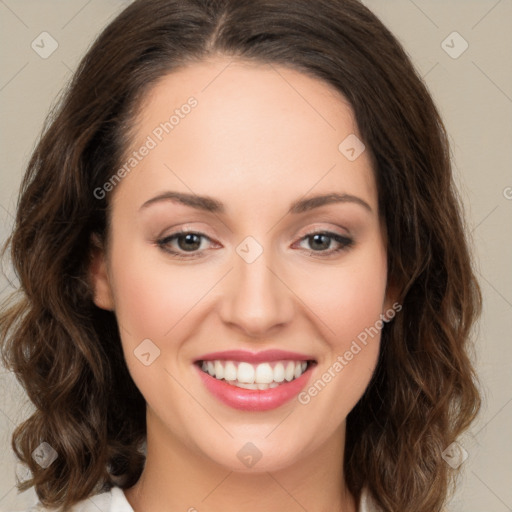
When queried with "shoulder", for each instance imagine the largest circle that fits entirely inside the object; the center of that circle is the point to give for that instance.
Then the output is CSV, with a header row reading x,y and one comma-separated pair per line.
x,y
110,501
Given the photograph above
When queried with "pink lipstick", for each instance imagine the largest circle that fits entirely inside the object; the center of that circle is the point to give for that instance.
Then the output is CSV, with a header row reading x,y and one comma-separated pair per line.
x,y
255,381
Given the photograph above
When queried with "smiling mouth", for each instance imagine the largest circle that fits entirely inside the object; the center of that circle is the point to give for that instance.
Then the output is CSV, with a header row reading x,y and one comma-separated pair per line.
x,y
260,376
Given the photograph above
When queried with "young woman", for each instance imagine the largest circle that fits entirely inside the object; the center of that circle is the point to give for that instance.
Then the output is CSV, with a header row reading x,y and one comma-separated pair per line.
x,y
245,283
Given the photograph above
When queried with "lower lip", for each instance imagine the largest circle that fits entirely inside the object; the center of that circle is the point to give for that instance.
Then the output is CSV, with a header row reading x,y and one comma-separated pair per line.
x,y
254,399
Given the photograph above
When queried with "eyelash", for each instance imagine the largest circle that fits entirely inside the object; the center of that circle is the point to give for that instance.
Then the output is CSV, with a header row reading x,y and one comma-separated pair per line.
x,y
345,243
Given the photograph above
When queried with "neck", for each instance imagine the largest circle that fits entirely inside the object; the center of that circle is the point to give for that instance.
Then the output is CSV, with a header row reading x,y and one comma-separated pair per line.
x,y
177,478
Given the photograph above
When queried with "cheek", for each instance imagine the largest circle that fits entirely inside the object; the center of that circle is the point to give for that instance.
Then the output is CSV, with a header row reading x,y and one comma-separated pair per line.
x,y
349,301
350,298
151,297
159,302
150,303
151,306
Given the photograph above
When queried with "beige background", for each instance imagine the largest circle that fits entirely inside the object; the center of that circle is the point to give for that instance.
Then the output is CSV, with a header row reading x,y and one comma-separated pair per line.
x,y
474,94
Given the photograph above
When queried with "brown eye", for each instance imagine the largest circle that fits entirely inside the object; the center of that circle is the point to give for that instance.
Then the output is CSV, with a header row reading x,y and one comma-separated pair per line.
x,y
189,242
183,242
320,242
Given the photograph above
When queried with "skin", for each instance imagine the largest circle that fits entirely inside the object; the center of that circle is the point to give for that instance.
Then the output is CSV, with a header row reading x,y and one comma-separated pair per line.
x,y
260,138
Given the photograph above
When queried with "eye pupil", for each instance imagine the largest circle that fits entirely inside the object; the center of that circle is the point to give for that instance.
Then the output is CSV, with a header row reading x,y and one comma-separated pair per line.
x,y
321,239
189,238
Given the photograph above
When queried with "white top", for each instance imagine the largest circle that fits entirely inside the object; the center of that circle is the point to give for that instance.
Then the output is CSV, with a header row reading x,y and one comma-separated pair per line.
x,y
115,501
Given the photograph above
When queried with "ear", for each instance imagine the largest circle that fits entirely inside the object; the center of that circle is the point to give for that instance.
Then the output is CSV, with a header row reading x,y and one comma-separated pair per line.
x,y
98,275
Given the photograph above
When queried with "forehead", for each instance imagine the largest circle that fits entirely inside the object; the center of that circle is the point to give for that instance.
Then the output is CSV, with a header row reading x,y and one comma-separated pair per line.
x,y
262,128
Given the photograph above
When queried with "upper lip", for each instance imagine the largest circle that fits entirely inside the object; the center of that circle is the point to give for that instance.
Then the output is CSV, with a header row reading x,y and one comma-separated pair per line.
x,y
255,357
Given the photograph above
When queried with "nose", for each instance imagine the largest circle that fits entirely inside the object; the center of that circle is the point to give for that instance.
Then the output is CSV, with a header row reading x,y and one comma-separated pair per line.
x,y
257,301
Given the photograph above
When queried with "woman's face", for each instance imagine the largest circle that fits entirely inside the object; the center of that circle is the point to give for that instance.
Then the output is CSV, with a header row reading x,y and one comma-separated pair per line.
x,y
254,162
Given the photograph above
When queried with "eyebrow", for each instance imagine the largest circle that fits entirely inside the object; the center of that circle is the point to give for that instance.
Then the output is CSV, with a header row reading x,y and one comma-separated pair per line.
x,y
212,205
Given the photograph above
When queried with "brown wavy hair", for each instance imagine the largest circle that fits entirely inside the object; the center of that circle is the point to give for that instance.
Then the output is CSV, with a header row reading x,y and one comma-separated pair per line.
x,y
66,352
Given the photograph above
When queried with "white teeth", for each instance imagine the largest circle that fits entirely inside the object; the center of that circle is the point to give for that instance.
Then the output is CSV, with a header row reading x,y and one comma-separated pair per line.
x,y
230,371
219,370
279,372
246,385
267,386
245,373
264,374
289,372
261,376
